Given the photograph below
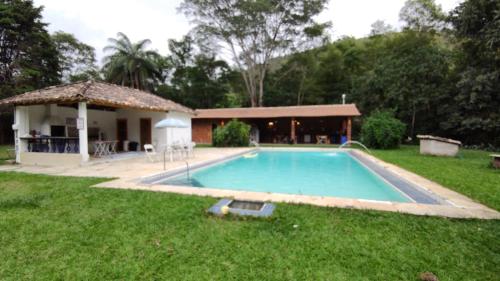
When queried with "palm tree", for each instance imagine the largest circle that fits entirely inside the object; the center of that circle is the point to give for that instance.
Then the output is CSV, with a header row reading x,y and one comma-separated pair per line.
x,y
131,64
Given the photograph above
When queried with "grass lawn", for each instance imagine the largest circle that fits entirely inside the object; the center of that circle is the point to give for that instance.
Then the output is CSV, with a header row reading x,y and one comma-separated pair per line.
x,y
3,153
58,228
469,173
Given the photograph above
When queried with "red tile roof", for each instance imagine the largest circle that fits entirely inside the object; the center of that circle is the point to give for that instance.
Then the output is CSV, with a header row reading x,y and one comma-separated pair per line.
x,y
282,111
98,93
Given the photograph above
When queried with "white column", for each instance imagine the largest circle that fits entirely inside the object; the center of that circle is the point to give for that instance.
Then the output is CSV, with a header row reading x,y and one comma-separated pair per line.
x,y
21,128
82,131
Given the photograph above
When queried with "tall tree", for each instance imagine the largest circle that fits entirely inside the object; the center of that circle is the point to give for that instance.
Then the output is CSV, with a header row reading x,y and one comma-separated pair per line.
x,y
28,57
410,75
255,32
422,15
198,79
76,59
474,114
379,27
131,64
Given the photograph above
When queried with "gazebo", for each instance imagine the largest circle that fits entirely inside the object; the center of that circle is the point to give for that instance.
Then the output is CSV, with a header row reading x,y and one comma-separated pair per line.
x,y
55,125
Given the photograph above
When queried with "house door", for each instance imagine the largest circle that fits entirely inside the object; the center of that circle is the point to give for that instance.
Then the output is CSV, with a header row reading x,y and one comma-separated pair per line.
x,y
145,131
121,132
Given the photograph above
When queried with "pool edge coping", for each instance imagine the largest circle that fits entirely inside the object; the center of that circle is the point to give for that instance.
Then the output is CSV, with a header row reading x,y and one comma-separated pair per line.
x,y
460,206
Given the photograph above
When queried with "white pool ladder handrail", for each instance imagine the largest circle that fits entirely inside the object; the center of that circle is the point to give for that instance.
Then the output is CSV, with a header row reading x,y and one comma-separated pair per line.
x,y
187,169
355,142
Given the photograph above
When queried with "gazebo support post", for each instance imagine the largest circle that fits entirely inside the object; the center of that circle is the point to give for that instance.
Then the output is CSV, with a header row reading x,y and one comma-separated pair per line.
x,y
349,128
292,131
21,128
82,131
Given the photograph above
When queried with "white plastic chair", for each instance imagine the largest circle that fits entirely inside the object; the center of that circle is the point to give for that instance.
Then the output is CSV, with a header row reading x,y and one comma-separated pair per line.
x,y
151,152
190,149
167,149
178,147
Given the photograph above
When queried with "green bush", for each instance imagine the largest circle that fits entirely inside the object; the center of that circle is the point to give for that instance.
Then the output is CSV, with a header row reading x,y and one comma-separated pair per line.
x,y
382,130
234,133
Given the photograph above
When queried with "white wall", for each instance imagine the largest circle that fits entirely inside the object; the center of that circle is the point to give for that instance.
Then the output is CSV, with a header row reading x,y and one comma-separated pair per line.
x,y
106,121
182,135
159,136
133,122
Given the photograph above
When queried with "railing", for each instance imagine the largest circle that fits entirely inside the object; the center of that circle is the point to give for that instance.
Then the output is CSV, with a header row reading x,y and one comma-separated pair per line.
x,y
187,169
355,142
52,144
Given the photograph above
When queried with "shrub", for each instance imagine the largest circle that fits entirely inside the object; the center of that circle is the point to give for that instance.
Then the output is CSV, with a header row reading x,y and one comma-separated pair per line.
x,y
234,133
382,130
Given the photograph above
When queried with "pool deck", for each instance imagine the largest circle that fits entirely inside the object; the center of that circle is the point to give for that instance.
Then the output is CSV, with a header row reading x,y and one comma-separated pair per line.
x,y
129,173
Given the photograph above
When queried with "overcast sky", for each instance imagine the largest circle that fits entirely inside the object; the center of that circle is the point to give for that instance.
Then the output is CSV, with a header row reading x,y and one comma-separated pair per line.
x,y
93,21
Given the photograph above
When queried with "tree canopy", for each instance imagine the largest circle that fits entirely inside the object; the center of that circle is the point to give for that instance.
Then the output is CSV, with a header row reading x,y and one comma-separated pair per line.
x,y
255,32
76,59
28,57
438,74
131,64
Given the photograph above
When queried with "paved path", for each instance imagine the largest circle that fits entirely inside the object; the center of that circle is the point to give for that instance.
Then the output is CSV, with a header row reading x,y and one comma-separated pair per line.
x,y
126,169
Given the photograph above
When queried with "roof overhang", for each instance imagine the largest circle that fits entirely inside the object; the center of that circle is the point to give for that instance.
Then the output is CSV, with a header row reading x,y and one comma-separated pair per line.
x,y
97,93
339,110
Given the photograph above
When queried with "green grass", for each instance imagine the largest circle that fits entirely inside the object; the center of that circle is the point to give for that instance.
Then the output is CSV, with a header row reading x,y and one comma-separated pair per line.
x,y
4,155
59,228
470,173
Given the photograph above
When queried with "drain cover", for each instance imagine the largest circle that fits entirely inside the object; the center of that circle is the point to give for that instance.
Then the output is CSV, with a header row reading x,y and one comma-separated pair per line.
x,y
246,205
243,208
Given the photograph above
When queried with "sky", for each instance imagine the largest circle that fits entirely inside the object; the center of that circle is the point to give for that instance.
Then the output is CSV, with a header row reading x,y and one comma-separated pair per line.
x,y
94,21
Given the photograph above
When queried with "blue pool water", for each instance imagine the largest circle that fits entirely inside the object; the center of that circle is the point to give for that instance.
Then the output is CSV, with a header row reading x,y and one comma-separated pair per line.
x,y
307,173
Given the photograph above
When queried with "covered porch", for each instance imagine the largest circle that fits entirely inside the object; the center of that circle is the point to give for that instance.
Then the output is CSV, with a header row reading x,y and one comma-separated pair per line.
x,y
317,124
301,130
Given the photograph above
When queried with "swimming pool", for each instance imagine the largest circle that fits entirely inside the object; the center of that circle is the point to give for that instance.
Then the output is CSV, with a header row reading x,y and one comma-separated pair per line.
x,y
315,173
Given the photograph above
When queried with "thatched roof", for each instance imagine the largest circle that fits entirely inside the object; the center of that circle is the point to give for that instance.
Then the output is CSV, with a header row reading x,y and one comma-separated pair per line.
x,y
279,111
97,93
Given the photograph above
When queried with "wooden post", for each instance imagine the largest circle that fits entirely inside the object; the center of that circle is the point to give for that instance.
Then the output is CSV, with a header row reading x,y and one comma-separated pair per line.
x,y
292,131
349,128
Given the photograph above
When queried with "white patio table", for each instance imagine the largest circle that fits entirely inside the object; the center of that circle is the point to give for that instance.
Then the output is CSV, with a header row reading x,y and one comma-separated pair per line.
x,y
104,148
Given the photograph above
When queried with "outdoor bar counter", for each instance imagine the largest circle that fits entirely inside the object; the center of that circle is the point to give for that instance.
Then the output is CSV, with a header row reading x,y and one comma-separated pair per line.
x,y
50,144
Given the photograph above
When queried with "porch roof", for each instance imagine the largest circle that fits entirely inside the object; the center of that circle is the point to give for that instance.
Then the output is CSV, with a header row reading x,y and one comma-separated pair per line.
x,y
282,111
97,93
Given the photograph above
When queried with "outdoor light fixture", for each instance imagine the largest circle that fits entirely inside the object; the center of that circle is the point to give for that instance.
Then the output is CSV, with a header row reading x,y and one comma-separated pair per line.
x,y
270,124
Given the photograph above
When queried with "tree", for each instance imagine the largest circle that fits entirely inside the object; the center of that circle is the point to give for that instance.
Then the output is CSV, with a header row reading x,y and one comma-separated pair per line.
x,y
76,59
255,32
422,15
382,130
198,80
28,58
293,82
131,64
474,109
379,27
410,75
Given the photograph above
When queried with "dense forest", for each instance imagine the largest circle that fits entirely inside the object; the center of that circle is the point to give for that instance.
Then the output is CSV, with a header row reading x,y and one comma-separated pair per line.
x,y
439,73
